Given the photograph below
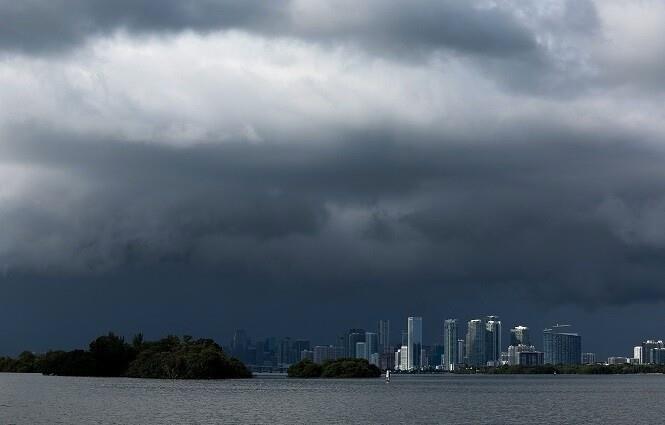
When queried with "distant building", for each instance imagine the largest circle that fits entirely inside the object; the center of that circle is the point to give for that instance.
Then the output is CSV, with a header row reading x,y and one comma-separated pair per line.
x,y
307,355
588,358
361,350
525,355
372,341
383,331
239,345
354,336
648,353
387,360
492,340
299,346
404,358
617,360
324,353
415,341
461,351
476,338
519,335
637,354
405,337
562,347
658,355
450,338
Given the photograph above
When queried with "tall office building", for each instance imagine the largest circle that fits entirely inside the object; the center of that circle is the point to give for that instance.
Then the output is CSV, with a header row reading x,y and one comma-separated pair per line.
x,y
476,338
415,341
354,336
361,350
493,340
383,330
461,351
372,341
648,348
637,354
405,337
519,335
450,338
323,353
562,347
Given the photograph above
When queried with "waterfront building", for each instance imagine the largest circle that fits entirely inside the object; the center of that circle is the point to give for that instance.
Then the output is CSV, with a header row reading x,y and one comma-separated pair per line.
x,y
476,338
658,355
493,340
563,348
637,354
648,350
404,358
617,360
531,357
450,338
307,355
415,341
383,331
519,335
588,358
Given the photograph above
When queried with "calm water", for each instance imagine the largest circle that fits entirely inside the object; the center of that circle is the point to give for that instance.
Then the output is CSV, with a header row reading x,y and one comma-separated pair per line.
x,y
36,399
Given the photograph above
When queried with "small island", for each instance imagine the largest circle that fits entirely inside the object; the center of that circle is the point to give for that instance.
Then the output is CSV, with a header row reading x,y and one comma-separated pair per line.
x,y
340,368
110,356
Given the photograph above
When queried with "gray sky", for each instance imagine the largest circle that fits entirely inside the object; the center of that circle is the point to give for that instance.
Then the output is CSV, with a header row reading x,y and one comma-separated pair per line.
x,y
304,166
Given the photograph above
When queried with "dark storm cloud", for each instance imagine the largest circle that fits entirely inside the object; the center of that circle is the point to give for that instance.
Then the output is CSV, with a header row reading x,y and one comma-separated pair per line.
x,y
566,220
49,26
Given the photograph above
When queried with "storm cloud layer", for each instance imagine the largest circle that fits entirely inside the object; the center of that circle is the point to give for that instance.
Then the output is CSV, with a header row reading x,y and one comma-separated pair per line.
x,y
335,146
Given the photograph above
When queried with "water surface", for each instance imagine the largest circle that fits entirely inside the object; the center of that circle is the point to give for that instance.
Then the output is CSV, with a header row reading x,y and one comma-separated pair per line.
x,y
37,399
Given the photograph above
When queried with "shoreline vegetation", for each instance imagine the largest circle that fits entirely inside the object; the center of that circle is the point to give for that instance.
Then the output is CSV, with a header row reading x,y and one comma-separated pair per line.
x,y
340,368
110,356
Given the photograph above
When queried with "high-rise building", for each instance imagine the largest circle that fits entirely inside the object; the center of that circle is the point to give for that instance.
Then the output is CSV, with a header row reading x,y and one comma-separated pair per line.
x,y
354,336
361,350
300,345
492,340
562,347
405,337
415,341
519,335
404,358
476,338
372,341
383,330
524,355
461,351
637,354
324,353
450,338
617,360
648,348
588,358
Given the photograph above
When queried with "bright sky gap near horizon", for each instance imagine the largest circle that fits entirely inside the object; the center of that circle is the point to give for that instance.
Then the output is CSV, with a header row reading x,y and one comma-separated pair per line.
x,y
302,167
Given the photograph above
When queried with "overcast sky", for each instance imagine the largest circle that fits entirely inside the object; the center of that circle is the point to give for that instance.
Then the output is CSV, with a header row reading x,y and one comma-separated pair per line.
x,y
303,166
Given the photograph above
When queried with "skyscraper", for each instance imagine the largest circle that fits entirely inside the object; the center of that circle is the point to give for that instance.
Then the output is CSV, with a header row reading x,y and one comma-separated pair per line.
x,y
450,337
415,341
562,347
476,337
239,345
493,339
519,335
371,339
361,350
354,336
383,330
461,351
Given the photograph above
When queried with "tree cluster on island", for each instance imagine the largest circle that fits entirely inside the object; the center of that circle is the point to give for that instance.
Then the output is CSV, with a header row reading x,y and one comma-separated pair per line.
x,y
110,356
340,368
